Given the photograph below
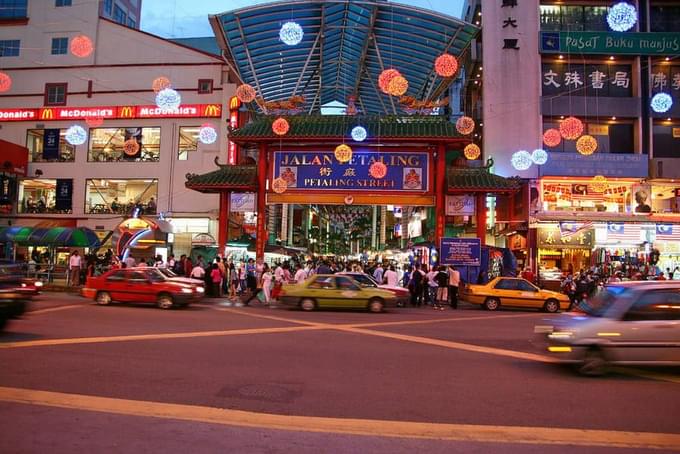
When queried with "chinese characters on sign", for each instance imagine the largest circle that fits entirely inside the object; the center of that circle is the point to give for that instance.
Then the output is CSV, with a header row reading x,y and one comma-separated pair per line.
x,y
665,78
587,80
551,238
510,23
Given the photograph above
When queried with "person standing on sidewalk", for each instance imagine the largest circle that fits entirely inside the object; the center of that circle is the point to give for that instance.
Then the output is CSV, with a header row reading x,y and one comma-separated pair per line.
x,y
442,287
267,283
454,282
432,286
74,264
300,274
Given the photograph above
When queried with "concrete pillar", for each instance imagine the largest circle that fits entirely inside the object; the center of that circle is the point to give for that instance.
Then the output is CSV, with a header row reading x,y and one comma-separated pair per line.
x,y
383,226
374,227
291,219
283,234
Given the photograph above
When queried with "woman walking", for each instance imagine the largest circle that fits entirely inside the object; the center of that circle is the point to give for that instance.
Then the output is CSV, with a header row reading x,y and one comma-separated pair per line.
x,y
267,283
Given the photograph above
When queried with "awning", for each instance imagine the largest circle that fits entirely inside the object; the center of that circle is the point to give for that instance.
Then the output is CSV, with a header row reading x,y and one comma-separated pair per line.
x,y
57,236
239,178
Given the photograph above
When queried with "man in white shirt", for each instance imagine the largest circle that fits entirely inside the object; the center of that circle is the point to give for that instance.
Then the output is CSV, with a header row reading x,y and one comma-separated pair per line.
x,y
74,269
300,275
378,274
130,262
278,273
391,277
454,282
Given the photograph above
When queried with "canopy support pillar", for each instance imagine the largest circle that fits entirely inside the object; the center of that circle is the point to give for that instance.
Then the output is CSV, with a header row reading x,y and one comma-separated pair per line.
x,y
440,197
261,202
223,222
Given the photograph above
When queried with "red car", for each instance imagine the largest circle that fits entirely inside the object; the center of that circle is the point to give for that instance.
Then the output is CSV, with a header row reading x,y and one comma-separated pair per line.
x,y
141,285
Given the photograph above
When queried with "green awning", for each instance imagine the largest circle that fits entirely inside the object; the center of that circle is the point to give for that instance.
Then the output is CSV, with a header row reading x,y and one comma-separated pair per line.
x,y
479,179
56,236
237,177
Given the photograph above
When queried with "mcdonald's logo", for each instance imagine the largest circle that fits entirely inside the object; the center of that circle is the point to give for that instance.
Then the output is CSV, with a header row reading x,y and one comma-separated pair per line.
x,y
234,103
127,112
47,114
212,110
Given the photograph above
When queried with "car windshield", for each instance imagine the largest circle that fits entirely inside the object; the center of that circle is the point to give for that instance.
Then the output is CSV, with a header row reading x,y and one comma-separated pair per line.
x,y
364,280
166,272
155,275
602,301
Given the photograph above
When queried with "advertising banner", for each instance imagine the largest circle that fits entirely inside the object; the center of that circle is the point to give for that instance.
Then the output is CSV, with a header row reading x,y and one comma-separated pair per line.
x,y
64,194
303,171
607,164
460,205
460,251
51,145
610,43
242,202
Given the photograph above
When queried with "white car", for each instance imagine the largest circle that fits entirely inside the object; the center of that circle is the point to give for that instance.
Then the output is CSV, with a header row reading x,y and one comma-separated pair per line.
x,y
172,276
365,280
628,323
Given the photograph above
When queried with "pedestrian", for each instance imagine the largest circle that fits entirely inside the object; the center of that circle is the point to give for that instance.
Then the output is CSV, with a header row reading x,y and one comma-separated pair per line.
x,y
415,286
454,282
130,261
74,269
197,272
223,272
432,286
215,280
406,278
158,263
300,275
391,277
188,266
233,280
142,263
442,287
251,280
266,283
242,277
170,264
378,273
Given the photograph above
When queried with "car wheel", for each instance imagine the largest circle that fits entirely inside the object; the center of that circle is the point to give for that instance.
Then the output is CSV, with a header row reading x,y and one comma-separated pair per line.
x,y
491,304
103,298
376,305
164,301
594,363
551,306
307,304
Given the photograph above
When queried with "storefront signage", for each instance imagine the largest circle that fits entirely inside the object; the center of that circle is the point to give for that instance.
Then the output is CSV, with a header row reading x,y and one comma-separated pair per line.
x,y
242,202
64,194
460,251
666,79
607,164
586,80
609,43
551,238
304,171
111,112
463,205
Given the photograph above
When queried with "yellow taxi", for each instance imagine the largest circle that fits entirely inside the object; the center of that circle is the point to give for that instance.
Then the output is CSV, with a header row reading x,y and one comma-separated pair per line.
x,y
513,292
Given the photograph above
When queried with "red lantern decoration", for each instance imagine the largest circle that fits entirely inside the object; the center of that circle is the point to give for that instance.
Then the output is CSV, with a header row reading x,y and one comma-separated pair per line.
x,y
131,147
279,185
94,122
280,126
571,128
586,145
343,153
552,137
160,83
465,125
81,46
5,82
446,65
245,93
397,86
472,151
377,170
385,77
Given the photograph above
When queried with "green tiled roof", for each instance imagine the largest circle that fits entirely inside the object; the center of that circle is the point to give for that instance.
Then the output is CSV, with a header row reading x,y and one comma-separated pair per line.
x,y
432,128
242,177
478,179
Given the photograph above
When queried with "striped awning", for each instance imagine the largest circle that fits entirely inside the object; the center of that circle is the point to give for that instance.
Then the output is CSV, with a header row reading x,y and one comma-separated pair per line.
x,y
56,236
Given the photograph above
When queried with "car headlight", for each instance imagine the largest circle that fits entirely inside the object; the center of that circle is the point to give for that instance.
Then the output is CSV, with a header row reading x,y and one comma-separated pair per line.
x,y
561,335
200,289
38,283
187,290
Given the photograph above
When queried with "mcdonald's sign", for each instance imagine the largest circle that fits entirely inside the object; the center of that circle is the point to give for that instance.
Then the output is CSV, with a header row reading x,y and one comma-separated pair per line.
x,y
126,112
47,114
212,110
234,103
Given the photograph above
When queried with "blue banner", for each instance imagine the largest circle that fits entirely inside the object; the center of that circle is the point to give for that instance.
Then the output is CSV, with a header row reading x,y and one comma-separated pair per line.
x,y
51,145
460,251
607,164
64,194
405,171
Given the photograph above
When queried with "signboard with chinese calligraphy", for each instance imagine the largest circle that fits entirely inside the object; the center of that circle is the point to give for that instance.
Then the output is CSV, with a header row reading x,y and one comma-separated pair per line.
x,y
666,79
460,251
588,80
609,43
111,112
303,171
551,238
607,164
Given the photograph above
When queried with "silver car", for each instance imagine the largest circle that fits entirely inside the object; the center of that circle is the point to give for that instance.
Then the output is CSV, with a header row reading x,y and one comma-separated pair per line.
x,y
631,323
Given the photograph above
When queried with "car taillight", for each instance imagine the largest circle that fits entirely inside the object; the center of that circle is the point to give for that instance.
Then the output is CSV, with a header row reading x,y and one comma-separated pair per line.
x,y
38,283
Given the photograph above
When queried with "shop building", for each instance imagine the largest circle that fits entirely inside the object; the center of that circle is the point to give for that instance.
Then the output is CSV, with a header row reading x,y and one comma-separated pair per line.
x,y
135,155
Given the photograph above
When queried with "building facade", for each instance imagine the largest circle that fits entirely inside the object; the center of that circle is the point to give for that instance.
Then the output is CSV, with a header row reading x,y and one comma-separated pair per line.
x,y
134,155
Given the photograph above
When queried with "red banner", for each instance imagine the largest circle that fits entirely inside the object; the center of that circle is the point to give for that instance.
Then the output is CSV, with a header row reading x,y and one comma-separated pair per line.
x,y
111,112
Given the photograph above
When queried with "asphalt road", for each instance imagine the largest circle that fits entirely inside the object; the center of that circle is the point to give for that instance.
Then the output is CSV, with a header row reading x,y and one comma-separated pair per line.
x,y
77,377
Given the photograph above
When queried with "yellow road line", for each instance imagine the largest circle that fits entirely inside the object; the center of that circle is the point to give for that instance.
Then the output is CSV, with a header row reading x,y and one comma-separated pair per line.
x,y
651,375
434,320
135,337
382,428
55,309
452,345
272,317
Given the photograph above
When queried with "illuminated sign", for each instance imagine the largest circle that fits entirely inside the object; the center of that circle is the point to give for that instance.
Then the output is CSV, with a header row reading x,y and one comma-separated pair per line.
x,y
111,112
232,149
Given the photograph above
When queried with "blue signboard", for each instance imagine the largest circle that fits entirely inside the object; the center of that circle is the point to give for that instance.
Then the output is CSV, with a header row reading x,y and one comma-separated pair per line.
x,y
51,145
607,164
460,251
405,171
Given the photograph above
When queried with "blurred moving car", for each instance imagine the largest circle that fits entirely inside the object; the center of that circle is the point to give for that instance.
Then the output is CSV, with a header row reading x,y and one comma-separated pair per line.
x,y
513,292
16,273
171,275
141,285
335,291
625,323
401,294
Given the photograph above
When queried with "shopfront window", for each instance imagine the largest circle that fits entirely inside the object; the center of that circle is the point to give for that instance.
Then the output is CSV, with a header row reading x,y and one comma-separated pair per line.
x,y
188,141
666,139
45,196
665,198
611,137
664,18
108,196
45,145
586,195
125,144
573,18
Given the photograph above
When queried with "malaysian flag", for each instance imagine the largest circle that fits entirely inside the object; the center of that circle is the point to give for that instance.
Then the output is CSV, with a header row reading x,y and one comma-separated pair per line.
x,y
618,231
667,232
568,229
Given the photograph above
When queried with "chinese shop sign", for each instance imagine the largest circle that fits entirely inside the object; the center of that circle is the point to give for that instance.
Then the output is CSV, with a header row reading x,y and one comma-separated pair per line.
x,y
587,80
551,238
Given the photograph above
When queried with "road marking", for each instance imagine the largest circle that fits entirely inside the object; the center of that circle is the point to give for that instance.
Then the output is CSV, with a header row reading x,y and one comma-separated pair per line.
x,y
136,337
55,309
651,375
273,317
434,320
382,428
